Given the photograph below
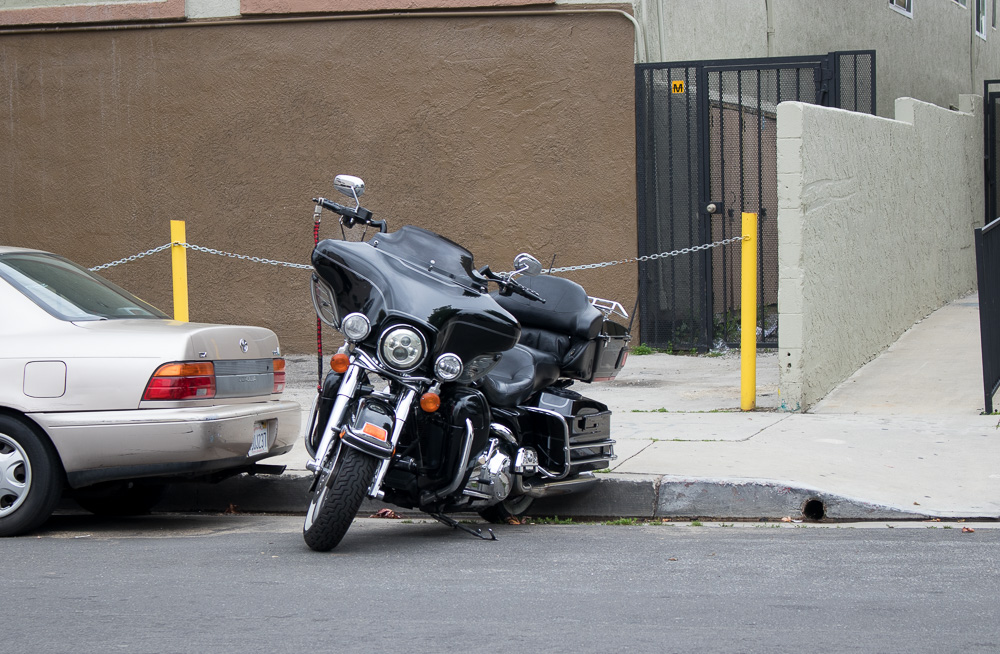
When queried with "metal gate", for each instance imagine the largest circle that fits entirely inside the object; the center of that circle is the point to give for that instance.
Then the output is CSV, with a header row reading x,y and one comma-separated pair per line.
x,y
988,248
991,102
706,148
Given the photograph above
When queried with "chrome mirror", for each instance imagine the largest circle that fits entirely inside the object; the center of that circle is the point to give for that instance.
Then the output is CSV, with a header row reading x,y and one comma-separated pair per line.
x,y
525,264
351,186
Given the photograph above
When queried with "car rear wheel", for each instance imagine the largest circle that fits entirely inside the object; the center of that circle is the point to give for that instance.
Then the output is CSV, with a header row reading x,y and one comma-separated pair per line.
x,y
30,478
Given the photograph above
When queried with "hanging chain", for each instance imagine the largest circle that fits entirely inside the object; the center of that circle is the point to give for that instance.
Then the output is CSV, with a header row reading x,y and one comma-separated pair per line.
x,y
648,257
134,257
199,248
272,262
304,266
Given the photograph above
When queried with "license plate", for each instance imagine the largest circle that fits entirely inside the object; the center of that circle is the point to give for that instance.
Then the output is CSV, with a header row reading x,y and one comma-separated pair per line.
x,y
259,445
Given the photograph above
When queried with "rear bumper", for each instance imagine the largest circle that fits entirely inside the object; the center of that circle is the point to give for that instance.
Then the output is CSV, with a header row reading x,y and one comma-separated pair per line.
x,y
100,446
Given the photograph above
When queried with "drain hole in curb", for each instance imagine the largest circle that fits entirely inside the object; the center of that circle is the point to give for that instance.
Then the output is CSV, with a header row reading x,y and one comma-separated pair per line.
x,y
813,510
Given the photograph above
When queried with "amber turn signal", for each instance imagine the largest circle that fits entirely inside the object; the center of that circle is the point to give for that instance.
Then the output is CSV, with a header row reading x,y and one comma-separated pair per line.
x,y
430,402
340,363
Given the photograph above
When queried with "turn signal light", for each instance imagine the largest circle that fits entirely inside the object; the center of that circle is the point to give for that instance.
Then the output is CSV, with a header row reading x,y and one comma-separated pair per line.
x,y
430,402
340,363
182,381
279,375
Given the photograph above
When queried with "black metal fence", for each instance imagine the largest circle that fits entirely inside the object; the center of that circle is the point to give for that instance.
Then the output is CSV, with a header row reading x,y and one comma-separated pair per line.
x,y
988,271
706,137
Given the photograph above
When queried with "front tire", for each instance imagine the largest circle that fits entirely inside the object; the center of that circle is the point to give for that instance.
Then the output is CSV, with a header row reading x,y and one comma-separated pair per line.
x,y
31,479
337,498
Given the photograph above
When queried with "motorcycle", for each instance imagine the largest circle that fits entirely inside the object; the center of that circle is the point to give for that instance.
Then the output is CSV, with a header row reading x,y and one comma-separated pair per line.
x,y
445,397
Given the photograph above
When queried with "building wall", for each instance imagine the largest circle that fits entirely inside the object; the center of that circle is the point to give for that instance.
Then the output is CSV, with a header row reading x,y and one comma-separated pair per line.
x,y
933,54
875,231
506,134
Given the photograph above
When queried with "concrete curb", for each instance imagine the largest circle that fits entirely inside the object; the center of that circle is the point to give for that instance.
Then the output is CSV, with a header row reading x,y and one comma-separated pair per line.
x,y
616,496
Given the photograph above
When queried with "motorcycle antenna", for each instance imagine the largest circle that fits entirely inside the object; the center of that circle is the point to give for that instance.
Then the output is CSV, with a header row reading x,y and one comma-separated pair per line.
x,y
552,265
635,308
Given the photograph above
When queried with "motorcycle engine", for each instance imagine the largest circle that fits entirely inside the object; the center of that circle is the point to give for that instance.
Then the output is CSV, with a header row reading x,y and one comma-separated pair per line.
x,y
491,479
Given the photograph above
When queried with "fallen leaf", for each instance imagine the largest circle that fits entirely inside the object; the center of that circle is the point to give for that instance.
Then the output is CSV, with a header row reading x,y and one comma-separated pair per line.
x,y
386,513
671,559
514,520
786,519
232,510
968,530
916,504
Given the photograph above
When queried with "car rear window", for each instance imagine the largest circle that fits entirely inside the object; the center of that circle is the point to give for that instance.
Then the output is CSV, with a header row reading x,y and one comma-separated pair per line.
x,y
69,291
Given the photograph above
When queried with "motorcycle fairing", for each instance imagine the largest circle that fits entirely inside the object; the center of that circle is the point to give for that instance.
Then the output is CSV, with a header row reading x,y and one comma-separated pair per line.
x,y
376,281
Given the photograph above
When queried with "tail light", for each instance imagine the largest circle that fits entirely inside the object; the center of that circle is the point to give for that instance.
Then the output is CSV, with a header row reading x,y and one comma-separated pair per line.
x,y
279,376
183,381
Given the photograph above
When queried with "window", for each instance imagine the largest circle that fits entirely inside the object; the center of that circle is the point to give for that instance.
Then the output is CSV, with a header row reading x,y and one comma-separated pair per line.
x,y
981,18
904,7
961,2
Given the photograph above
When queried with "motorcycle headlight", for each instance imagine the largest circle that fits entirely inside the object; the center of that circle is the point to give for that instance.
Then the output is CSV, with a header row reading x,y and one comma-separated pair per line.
x,y
356,327
402,348
323,301
448,367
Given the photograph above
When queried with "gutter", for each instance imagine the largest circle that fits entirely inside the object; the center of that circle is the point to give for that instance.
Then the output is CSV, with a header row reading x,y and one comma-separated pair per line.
x,y
640,42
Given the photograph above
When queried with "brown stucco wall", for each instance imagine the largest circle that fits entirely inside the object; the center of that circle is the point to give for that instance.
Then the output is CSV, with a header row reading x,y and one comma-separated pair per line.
x,y
506,134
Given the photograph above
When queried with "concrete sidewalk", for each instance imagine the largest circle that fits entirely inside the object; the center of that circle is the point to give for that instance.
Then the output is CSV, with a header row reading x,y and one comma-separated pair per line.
x,y
903,438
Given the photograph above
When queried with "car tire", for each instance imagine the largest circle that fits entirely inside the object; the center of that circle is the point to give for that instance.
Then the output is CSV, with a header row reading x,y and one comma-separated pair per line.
x,y
120,498
31,477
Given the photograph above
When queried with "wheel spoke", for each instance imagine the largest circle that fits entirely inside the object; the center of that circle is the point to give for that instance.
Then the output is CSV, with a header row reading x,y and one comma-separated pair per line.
x,y
13,477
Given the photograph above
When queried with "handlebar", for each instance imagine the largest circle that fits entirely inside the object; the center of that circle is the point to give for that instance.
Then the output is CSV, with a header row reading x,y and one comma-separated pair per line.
x,y
508,285
350,217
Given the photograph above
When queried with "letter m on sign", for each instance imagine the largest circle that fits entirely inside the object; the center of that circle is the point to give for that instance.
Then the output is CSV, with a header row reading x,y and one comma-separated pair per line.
x,y
677,86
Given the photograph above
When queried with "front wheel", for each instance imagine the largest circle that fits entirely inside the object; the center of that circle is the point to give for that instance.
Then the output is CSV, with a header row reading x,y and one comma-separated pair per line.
x,y
337,497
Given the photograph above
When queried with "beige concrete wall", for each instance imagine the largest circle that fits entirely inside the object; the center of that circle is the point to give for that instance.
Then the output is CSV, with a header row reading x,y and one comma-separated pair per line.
x,y
933,55
506,134
875,228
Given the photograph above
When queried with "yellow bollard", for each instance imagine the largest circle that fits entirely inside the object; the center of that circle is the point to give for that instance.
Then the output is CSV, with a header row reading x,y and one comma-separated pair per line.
x,y
748,314
178,259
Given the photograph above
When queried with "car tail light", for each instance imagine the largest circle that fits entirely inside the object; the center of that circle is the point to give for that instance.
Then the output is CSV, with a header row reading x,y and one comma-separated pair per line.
x,y
182,381
279,376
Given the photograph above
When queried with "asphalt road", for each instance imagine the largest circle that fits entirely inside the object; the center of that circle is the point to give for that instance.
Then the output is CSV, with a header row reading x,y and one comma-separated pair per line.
x,y
176,583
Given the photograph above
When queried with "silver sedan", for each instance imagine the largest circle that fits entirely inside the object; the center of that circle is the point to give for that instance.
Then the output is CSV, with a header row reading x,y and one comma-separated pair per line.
x,y
106,398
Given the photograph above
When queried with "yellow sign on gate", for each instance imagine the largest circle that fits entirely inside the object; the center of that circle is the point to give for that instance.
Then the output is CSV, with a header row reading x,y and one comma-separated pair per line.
x,y
677,86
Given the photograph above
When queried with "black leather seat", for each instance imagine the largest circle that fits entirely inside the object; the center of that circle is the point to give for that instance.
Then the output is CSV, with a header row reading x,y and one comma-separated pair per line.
x,y
521,372
565,326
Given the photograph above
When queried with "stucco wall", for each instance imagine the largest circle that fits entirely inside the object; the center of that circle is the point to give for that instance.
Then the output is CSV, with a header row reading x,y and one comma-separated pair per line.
x,y
506,134
932,55
875,228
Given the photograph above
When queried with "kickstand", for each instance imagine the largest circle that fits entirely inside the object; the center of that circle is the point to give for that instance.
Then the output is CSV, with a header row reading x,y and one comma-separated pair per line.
x,y
451,522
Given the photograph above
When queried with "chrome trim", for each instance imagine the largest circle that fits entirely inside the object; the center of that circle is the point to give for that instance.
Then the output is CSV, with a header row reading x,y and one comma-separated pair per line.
x,y
402,412
345,392
463,462
566,444
564,487
503,432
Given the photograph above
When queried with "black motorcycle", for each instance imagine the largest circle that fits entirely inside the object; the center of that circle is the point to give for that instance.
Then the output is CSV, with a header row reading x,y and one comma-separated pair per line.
x,y
444,397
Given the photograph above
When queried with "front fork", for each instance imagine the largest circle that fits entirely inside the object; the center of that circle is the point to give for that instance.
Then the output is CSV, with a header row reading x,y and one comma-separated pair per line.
x,y
335,428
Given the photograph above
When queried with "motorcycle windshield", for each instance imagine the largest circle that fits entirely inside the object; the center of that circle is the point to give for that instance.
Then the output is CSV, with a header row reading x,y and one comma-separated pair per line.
x,y
416,276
